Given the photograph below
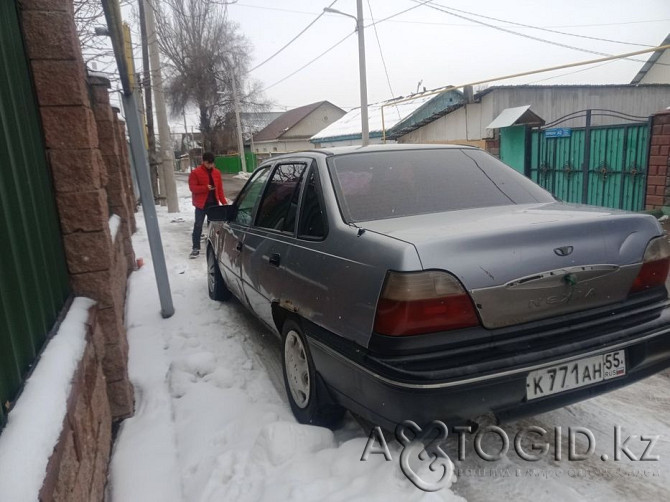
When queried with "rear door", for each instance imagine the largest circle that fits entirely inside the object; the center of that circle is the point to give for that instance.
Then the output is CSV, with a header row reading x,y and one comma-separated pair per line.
x,y
268,243
234,232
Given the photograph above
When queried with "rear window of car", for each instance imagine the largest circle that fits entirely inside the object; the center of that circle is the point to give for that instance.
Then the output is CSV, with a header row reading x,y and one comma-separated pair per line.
x,y
391,184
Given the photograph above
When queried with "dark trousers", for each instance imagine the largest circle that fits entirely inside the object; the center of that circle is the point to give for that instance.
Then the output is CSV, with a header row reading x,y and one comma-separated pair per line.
x,y
197,226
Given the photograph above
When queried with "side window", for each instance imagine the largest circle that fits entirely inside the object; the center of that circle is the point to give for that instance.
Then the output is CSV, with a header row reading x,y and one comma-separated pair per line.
x,y
280,202
247,199
312,215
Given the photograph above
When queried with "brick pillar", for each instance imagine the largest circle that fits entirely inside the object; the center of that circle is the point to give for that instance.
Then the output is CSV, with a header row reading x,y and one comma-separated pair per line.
x,y
122,259
128,192
125,164
112,147
658,181
80,178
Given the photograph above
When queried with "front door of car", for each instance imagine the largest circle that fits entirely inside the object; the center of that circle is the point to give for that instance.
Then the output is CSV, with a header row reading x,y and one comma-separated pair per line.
x,y
235,232
268,243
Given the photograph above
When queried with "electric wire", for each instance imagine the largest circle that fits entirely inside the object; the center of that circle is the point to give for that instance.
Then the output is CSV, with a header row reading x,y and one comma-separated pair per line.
x,y
293,39
381,53
446,10
307,64
546,29
419,4
572,72
590,25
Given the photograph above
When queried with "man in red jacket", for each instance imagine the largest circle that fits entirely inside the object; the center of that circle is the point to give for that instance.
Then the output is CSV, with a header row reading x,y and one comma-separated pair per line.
x,y
207,189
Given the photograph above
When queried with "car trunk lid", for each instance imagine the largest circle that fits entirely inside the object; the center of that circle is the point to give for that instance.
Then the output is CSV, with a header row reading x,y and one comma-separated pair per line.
x,y
523,263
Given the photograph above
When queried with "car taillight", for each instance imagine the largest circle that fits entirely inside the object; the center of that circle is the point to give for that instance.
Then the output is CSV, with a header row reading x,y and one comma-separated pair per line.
x,y
655,266
423,302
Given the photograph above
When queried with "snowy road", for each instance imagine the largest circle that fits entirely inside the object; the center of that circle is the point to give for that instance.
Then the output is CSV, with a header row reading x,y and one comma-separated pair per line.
x,y
212,422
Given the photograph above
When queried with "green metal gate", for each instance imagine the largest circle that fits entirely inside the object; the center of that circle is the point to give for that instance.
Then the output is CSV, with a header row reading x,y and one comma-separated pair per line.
x,y
231,164
602,166
33,272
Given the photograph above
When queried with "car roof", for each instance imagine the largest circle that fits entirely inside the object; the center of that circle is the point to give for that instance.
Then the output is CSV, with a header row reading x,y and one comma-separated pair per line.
x,y
344,150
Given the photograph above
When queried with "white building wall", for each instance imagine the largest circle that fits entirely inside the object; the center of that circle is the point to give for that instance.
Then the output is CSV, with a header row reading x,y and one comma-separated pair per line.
x,y
279,147
461,125
348,142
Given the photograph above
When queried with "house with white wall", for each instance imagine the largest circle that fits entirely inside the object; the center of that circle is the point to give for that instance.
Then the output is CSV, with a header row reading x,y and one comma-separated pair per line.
x,y
292,130
398,115
469,123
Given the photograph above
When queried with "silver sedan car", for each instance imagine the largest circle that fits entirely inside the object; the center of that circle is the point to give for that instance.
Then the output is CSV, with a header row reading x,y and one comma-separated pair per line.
x,y
417,282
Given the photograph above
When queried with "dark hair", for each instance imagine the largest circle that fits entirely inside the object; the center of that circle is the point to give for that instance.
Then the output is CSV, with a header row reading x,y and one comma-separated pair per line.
x,y
208,157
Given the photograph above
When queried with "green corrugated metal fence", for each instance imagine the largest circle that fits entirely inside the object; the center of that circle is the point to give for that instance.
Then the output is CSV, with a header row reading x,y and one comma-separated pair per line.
x,y
33,272
230,164
602,166
614,176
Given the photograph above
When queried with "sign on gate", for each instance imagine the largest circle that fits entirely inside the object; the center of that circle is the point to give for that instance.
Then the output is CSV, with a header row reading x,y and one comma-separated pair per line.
x,y
558,132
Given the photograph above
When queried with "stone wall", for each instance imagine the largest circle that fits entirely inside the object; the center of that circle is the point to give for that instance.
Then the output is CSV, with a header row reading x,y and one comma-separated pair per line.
x,y
88,157
658,182
77,469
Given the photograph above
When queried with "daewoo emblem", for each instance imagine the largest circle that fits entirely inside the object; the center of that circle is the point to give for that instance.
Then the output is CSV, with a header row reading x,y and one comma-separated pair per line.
x,y
564,251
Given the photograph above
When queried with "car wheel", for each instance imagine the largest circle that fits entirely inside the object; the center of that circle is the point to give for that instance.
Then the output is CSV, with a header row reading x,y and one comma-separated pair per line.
x,y
307,396
215,284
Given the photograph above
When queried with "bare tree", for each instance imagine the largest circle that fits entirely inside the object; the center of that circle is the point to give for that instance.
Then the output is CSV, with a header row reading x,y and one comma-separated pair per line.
x,y
96,48
204,52
87,15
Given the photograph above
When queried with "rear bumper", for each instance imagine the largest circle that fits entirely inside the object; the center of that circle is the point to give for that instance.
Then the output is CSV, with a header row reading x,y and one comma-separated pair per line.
x,y
387,394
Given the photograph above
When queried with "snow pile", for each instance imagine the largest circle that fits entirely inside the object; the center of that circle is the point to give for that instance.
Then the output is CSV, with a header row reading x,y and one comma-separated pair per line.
x,y
146,456
114,222
35,423
242,175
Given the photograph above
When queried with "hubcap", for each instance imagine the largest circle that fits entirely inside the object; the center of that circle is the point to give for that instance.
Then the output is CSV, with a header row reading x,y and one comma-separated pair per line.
x,y
297,369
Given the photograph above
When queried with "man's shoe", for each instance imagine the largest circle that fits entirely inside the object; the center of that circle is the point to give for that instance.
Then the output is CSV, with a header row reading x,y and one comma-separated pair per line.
x,y
194,254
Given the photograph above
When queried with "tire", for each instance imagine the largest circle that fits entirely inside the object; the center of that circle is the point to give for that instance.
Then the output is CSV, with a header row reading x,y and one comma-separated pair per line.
x,y
307,395
216,286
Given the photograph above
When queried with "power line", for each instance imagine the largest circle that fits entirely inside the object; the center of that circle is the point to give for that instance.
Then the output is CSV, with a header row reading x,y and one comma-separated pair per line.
x,y
275,9
547,29
338,43
307,64
294,38
591,25
440,8
381,53
571,72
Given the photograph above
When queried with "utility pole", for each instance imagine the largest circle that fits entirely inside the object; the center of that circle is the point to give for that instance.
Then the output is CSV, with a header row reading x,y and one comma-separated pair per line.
x,y
113,16
365,127
185,141
240,139
149,111
167,156
365,133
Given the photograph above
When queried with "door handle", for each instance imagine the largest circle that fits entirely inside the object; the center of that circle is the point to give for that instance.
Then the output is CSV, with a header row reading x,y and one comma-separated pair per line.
x,y
275,258
239,245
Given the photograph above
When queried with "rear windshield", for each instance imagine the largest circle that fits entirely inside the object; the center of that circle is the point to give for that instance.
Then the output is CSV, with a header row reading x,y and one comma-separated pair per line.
x,y
379,185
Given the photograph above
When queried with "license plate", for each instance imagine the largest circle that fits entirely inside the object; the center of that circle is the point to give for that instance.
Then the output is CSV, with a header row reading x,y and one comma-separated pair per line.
x,y
575,374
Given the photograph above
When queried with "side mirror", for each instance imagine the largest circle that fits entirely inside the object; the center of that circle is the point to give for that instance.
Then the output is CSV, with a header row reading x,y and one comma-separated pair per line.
x,y
221,213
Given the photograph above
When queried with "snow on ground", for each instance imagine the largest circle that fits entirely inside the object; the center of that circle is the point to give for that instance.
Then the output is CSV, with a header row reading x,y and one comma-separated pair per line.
x,y
212,422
